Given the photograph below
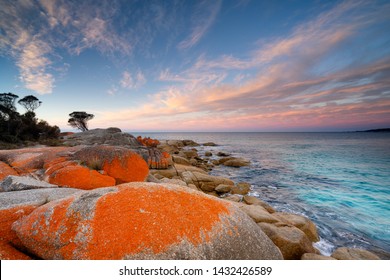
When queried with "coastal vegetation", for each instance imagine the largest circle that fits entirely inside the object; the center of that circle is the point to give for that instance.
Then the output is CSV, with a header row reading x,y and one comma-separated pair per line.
x,y
18,129
80,120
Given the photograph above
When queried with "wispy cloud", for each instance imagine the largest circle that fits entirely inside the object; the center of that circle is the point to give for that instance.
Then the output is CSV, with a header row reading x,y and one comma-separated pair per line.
x,y
202,19
130,81
286,90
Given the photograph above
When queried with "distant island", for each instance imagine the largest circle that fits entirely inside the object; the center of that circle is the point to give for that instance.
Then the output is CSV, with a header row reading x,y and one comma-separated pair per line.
x,y
376,130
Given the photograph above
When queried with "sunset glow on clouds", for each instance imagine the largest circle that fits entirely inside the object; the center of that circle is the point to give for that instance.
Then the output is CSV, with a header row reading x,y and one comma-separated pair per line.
x,y
202,65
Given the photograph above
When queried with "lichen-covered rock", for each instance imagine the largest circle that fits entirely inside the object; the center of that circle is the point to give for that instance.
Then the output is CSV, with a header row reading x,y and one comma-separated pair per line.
x,y
143,221
344,253
20,183
158,160
17,204
6,170
80,177
120,163
29,160
291,241
301,222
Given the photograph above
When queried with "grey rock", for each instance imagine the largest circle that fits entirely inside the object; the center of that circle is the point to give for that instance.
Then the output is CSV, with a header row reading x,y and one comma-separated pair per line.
x,y
19,183
35,197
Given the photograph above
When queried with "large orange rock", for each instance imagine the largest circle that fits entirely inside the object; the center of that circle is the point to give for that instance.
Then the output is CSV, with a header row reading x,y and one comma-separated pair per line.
x,y
120,163
143,221
17,204
6,170
78,167
29,160
80,177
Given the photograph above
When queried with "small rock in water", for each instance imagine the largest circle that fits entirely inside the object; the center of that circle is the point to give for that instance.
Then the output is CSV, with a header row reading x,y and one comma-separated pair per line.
x,y
210,144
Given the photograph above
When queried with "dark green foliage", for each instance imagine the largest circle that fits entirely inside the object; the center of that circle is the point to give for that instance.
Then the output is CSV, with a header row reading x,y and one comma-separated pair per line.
x,y
80,120
30,102
16,128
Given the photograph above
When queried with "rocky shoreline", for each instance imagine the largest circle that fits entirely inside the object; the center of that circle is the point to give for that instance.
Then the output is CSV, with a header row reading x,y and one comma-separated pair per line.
x,y
108,195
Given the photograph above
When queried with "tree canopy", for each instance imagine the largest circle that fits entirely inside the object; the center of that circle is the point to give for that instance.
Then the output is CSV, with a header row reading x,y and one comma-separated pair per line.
x,y
30,102
16,128
80,120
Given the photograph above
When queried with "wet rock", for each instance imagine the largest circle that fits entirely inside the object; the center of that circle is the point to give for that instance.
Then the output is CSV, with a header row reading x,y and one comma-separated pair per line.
x,y
291,241
19,183
311,256
208,154
135,223
301,222
190,143
251,200
258,213
344,253
236,162
223,154
209,144
242,188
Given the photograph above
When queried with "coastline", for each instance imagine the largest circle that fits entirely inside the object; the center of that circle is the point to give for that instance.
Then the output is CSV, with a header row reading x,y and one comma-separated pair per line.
x,y
178,163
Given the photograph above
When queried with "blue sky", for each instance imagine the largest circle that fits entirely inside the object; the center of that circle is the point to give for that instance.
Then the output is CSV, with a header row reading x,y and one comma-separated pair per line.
x,y
201,65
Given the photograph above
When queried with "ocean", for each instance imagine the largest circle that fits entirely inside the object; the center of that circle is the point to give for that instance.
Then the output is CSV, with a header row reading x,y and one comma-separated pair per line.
x,y
341,181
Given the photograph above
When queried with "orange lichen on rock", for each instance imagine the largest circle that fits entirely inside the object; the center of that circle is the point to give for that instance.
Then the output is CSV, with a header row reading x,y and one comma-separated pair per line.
x,y
120,222
29,160
6,170
80,177
8,237
8,252
10,215
148,142
129,167
50,232
150,220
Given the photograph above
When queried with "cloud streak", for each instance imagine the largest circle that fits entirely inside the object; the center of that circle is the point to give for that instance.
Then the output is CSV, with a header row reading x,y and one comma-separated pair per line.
x,y
285,90
202,20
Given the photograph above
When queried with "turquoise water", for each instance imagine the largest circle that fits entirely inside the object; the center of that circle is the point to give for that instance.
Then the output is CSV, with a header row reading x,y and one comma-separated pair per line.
x,y
339,180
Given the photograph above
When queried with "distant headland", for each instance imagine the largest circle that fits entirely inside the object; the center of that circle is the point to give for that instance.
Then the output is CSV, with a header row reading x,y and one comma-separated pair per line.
x,y
376,130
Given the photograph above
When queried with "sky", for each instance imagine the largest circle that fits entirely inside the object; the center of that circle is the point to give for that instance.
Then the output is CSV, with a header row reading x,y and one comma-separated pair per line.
x,y
201,65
